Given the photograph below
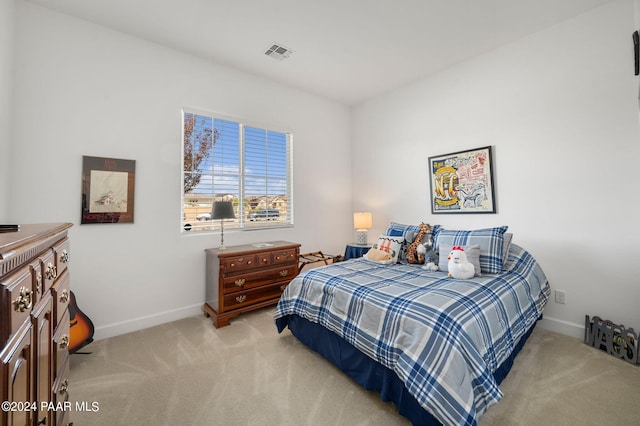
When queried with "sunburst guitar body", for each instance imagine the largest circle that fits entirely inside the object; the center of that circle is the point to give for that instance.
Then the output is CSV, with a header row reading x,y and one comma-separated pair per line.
x,y
81,328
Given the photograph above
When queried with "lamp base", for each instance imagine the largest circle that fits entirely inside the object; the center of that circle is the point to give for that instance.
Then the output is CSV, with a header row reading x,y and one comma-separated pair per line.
x,y
222,247
361,236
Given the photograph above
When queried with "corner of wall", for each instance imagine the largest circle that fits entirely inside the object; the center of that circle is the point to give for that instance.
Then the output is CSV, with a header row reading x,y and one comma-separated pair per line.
x,y
562,327
140,323
7,31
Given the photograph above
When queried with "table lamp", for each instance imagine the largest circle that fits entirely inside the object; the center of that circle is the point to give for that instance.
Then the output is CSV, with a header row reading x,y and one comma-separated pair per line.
x,y
362,221
222,210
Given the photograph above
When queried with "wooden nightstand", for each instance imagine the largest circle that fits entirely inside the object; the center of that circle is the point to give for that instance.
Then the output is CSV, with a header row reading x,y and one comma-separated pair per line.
x,y
247,277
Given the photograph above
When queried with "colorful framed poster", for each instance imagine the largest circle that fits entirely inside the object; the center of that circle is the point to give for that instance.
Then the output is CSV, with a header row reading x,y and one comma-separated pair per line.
x,y
462,182
108,186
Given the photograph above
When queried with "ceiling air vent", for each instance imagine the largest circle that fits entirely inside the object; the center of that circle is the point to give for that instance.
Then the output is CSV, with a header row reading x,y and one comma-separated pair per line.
x,y
278,51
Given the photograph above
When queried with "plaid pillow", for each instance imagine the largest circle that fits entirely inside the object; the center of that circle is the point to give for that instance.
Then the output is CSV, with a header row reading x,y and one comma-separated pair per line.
x,y
490,240
407,232
472,252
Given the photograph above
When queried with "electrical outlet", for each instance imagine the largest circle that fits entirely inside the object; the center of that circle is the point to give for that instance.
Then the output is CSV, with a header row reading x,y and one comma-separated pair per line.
x,y
561,296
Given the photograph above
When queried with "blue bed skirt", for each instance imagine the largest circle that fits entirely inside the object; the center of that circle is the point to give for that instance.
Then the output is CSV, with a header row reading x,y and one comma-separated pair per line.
x,y
368,373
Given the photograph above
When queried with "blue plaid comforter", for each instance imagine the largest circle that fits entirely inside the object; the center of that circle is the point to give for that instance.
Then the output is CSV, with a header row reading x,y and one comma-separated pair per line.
x,y
443,337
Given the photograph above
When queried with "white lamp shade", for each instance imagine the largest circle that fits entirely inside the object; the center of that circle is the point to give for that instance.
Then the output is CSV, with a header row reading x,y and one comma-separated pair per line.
x,y
362,220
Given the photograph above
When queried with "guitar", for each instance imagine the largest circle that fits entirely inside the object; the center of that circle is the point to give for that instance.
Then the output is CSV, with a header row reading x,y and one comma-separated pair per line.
x,y
81,328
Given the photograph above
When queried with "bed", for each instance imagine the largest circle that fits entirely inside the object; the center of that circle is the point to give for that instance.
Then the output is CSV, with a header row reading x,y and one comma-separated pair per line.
x,y
436,346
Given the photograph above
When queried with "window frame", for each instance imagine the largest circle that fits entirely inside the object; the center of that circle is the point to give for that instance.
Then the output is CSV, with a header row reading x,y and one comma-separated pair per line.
x,y
242,210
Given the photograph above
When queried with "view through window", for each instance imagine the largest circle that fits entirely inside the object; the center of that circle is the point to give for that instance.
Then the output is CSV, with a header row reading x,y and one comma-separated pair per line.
x,y
227,160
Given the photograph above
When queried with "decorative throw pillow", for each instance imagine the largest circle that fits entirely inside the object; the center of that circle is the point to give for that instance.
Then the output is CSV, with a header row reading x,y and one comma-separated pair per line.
x,y
391,244
472,252
490,240
407,232
404,231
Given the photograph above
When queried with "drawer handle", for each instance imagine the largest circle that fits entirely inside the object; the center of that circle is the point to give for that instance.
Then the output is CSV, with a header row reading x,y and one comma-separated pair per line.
x,y
284,272
64,296
39,286
240,282
24,299
64,387
52,272
249,262
241,299
282,287
264,260
64,342
241,259
277,257
64,257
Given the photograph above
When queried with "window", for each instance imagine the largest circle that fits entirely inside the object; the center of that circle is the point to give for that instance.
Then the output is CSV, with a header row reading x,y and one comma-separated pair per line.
x,y
227,160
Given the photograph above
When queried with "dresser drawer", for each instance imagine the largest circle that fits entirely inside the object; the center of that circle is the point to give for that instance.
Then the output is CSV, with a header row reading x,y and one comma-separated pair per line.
x,y
61,340
60,391
285,256
250,279
249,297
60,292
239,263
49,270
61,253
37,279
16,302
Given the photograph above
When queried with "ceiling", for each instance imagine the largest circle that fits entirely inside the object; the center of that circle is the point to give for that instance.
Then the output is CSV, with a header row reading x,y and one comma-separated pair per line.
x,y
345,50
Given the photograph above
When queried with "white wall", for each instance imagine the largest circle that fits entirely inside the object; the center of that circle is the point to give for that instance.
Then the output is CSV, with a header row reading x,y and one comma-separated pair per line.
x,y
85,90
7,17
560,109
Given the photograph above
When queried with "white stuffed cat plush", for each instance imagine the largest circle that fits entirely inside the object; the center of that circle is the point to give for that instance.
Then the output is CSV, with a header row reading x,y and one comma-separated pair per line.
x,y
459,267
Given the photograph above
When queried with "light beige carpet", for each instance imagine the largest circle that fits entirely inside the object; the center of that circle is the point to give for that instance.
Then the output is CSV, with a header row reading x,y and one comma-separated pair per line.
x,y
189,373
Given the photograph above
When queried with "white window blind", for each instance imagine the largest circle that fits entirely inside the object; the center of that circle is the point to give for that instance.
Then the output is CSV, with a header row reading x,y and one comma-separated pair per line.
x,y
226,160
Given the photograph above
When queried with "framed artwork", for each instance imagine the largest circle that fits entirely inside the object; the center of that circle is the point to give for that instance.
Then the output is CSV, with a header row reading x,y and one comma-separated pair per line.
x,y
108,186
462,182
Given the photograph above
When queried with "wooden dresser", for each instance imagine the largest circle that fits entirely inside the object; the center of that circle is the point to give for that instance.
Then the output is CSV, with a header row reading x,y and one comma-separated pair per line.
x,y
34,324
247,277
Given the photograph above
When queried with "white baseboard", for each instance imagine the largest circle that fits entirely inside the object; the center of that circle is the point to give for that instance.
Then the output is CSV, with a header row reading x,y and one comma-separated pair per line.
x,y
140,323
562,327
116,329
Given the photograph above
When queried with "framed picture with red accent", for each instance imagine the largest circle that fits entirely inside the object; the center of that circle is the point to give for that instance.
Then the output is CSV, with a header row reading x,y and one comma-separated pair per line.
x,y
462,182
108,189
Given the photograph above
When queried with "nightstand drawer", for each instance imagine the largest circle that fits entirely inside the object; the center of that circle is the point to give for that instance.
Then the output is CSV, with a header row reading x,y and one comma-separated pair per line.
x,y
249,297
250,279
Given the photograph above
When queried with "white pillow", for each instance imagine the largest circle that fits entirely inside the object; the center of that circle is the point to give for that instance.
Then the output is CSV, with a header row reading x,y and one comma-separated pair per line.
x,y
391,244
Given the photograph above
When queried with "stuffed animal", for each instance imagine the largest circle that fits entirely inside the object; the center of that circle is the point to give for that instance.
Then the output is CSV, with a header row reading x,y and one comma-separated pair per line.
x,y
431,266
378,255
412,250
459,267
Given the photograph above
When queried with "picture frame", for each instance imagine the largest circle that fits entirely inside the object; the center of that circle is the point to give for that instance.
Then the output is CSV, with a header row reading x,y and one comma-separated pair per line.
x,y
108,190
462,182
